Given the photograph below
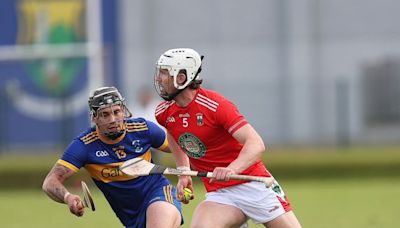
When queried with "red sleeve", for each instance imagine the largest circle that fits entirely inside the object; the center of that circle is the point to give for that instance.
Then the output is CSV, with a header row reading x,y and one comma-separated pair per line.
x,y
160,114
229,117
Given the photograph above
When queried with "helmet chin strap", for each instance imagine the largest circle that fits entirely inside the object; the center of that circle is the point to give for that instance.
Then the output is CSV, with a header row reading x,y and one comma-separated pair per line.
x,y
115,135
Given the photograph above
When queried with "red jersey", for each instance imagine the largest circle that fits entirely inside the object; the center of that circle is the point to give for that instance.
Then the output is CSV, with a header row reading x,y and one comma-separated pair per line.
x,y
204,129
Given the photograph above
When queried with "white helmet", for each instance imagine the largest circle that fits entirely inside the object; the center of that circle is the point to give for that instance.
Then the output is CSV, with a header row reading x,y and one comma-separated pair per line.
x,y
175,60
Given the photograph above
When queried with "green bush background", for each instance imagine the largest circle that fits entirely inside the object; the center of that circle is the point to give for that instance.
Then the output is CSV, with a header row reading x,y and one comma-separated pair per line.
x,y
328,187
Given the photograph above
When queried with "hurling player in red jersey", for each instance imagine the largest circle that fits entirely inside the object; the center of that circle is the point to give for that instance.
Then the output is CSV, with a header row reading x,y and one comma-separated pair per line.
x,y
207,133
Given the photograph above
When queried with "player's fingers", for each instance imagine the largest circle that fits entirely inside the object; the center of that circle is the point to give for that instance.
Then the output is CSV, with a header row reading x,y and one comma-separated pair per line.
x,y
181,198
80,213
180,188
78,208
80,205
179,192
185,200
213,179
74,210
216,176
71,201
185,182
228,175
221,175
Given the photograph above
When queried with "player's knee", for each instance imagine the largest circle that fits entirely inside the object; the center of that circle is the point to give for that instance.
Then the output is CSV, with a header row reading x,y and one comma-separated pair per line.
x,y
166,213
288,220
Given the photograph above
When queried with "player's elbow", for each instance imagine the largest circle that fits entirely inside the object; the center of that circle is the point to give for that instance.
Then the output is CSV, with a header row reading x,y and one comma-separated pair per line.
x,y
262,147
45,185
259,143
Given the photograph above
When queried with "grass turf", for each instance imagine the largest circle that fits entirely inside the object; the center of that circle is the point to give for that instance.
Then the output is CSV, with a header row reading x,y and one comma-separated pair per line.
x,y
332,203
328,187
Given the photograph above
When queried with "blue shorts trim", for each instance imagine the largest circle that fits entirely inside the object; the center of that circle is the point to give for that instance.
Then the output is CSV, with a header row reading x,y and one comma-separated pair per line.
x,y
165,193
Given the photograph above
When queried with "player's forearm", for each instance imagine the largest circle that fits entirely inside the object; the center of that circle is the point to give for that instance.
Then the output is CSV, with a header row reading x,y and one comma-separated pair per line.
x,y
53,184
181,158
54,189
253,147
251,152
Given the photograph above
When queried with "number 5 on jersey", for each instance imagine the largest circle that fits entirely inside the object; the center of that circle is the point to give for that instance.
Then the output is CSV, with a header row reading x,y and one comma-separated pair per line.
x,y
185,122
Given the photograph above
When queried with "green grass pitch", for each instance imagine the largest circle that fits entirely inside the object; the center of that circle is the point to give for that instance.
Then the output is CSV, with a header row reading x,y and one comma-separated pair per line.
x,y
332,203
328,187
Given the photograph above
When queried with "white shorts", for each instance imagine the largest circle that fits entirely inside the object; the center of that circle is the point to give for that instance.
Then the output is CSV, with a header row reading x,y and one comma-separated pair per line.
x,y
257,202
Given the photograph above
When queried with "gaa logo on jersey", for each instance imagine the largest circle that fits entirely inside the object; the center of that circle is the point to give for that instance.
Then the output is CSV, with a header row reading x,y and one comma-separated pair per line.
x,y
101,153
192,145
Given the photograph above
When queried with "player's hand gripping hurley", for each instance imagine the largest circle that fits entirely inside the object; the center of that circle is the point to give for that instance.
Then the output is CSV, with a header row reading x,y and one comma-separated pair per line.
x,y
141,167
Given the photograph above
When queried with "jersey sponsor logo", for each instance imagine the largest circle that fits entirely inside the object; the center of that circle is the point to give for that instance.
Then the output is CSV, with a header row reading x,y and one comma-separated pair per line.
x,y
102,153
110,172
199,117
192,145
186,115
137,146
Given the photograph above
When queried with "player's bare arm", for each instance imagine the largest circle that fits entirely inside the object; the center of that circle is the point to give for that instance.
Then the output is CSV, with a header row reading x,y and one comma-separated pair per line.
x,y
180,156
55,189
53,184
182,162
253,147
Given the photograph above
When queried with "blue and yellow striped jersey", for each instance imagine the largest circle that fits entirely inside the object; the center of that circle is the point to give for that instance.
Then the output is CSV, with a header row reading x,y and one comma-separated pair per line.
x,y
101,157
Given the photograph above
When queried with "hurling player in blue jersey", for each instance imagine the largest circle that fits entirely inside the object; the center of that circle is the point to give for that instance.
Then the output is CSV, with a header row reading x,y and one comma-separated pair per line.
x,y
148,201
